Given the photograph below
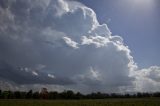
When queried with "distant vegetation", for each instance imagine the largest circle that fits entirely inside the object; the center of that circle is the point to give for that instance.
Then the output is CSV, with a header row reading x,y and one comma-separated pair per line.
x,y
44,94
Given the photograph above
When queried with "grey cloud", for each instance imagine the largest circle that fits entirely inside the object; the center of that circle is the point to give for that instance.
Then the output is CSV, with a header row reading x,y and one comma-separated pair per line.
x,y
29,76
63,41
47,33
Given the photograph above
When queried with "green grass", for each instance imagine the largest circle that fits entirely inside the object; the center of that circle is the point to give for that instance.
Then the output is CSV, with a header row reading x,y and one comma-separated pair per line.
x,y
105,102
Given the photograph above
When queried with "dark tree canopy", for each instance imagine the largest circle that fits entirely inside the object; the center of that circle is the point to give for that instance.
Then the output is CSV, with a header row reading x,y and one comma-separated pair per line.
x,y
69,94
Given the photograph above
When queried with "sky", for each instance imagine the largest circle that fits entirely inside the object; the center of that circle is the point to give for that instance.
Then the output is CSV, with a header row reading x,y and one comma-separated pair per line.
x,y
87,46
134,20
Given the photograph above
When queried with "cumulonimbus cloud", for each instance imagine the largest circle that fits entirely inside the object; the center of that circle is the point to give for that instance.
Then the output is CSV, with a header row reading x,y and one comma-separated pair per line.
x,y
61,43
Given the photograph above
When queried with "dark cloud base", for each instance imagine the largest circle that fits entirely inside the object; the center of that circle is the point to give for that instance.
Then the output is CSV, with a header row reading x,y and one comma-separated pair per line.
x,y
60,42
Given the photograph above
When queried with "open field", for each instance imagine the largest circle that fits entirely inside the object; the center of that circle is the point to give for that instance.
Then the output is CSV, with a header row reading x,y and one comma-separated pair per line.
x,y
105,102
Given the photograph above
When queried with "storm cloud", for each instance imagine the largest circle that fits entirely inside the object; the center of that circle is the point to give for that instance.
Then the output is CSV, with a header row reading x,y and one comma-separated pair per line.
x,y
59,42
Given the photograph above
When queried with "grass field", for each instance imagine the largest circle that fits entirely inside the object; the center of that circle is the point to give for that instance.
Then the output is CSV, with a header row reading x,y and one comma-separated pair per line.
x,y
106,102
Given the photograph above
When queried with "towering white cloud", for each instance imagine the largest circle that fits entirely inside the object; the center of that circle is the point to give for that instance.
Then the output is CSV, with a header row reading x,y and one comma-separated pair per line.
x,y
62,44
147,80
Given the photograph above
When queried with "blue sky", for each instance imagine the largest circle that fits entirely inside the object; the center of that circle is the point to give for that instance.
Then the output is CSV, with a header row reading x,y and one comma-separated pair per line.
x,y
138,24
60,44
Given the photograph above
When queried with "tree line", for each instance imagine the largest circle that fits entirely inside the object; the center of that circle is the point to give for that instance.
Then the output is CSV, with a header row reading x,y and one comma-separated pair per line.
x,y
69,94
